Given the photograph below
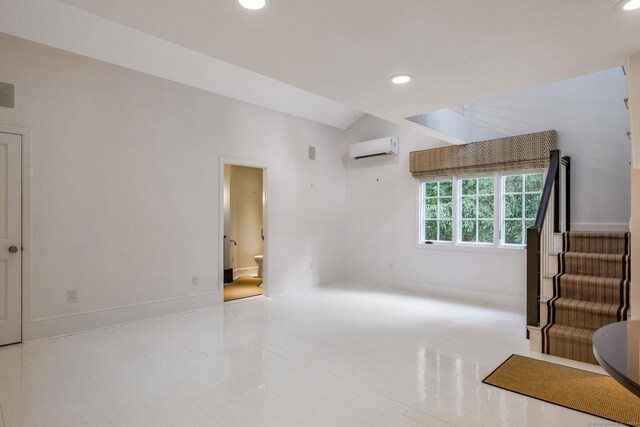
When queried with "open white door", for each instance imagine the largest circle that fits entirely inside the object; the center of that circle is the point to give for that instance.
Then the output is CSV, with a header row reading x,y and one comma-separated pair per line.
x,y
10,238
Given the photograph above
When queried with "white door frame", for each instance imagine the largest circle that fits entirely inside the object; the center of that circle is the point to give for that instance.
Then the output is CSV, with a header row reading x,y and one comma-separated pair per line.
x,y
265,223
25,135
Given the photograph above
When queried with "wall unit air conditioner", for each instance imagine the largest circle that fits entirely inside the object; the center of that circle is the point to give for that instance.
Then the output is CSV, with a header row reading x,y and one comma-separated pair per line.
x,y
377,147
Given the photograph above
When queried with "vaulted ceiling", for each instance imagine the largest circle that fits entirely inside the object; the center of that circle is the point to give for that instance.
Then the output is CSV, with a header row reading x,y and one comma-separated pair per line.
x,y
344,51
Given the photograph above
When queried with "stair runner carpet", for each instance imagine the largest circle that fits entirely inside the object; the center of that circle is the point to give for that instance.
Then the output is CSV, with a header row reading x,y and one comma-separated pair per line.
x,y
590,290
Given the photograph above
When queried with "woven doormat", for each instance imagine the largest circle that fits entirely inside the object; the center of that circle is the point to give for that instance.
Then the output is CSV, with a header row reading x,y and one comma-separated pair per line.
x,y
583,391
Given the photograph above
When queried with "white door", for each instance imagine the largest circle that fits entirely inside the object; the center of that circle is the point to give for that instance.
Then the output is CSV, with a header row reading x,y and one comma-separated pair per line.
x,y
10,238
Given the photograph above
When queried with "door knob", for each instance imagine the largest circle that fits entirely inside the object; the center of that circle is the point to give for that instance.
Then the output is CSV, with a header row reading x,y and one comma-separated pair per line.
x,y
13,249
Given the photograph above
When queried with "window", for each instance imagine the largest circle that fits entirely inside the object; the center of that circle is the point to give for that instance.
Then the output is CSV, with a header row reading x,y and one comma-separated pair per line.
x,y
477,210
491,210
521,201
437,202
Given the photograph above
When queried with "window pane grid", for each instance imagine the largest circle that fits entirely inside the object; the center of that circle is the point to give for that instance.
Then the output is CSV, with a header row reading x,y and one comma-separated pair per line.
x,y
472,212
437,205
477,210
521,199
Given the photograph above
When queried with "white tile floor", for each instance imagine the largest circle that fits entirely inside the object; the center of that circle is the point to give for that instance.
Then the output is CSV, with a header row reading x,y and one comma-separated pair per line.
x,y
338,356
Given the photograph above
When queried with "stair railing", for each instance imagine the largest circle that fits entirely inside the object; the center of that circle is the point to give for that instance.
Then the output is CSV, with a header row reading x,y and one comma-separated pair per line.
x,y
556,199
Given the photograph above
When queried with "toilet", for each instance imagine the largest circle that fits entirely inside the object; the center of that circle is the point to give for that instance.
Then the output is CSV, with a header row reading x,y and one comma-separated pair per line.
x,y
258,259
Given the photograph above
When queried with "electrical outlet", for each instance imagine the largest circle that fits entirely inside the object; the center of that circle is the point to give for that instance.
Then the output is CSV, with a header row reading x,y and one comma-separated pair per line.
x,y
391,266
195,280
72,296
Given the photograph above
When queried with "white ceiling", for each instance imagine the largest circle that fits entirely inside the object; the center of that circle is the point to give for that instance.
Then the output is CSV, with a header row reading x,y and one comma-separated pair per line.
x,y
65,27
458,51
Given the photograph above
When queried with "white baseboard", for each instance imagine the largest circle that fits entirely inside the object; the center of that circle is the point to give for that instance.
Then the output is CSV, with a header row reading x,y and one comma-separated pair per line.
x,y
304,282
245,271
73,323
513,302
600,226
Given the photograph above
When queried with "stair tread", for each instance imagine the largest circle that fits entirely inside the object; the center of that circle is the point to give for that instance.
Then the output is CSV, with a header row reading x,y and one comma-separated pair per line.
x,y
567,278
590,306
605,290
594,255
608,234
596,242
594,264
570,333
571,276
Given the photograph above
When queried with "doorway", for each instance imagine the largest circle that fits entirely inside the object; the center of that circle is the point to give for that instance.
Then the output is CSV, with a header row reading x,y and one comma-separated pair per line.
x,y
243,239
10,238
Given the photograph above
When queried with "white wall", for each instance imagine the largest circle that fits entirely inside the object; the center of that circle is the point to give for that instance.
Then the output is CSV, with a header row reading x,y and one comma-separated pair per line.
x,y
246,217
458,124
382,240
125,183
591,119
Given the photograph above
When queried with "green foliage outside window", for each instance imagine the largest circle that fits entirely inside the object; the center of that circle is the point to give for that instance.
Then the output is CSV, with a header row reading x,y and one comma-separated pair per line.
x,y
485,186
477,210
438,211
513,206
533,182
522,195
513,231
513,184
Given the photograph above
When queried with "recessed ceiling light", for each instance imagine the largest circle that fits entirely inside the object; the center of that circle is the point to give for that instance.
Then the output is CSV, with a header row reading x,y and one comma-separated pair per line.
x,y
401,79
253,4
627,5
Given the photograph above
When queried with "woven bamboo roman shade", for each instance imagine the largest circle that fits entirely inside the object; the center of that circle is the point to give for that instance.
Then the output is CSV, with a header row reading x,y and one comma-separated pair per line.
x,y
516,152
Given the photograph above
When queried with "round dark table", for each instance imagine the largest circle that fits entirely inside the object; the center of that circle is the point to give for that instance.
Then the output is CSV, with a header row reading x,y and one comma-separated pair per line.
x,y
617,349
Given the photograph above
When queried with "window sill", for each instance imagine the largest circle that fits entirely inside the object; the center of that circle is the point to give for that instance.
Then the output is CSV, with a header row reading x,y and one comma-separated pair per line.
x,y
484,249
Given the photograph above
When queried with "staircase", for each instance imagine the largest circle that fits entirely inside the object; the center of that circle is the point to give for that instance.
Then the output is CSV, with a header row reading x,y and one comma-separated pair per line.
x,y
590,290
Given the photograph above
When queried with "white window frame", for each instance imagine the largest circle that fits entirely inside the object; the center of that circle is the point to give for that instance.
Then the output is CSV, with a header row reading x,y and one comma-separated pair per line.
x,y
459,219
498,203
503,193
421,199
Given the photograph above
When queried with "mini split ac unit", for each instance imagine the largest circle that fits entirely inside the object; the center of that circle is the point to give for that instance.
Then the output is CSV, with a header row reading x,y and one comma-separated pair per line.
x,y
377,147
